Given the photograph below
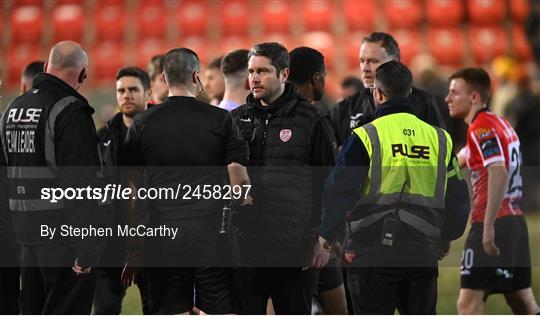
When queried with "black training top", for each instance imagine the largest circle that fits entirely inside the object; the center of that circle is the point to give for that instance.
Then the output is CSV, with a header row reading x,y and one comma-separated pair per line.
x,y
189,143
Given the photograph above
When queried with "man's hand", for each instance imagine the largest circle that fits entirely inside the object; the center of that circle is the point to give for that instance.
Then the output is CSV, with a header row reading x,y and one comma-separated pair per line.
x,y
80,270
131,268
443,247
488,241
321,254
247,201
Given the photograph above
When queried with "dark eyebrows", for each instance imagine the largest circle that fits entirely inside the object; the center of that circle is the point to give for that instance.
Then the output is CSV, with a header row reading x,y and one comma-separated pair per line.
x,y
122,89
259,69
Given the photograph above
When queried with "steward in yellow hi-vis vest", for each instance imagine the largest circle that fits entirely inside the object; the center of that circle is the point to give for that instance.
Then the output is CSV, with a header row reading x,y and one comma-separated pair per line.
x,y
398,193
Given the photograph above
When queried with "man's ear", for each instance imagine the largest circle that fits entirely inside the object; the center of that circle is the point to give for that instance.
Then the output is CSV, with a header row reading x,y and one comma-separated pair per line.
x,y
45,66
379,95
475,98
195,77
285,74
247,84
148,95
315,78
82,76
162,77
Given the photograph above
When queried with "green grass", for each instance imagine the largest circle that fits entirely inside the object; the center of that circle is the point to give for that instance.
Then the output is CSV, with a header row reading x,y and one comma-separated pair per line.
x,y
448,279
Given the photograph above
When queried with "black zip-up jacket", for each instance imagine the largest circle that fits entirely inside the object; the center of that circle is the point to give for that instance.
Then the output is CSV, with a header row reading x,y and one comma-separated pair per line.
x,y
287,139
111,138
60,141
359,109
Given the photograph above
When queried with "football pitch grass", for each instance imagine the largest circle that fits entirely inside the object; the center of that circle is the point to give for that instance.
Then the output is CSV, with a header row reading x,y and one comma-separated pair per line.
x,y
448,278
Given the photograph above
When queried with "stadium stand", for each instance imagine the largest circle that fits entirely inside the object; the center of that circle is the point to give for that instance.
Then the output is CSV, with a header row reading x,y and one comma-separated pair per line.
x,y
275,16
456,32
68,22
403,14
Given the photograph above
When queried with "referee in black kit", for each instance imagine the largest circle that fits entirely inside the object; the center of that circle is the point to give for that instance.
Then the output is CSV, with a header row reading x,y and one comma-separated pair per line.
x,y
188,142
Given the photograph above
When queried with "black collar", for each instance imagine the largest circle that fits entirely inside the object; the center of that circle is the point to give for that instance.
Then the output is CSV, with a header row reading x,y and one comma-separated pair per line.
x,y
280,107
394,105
42,79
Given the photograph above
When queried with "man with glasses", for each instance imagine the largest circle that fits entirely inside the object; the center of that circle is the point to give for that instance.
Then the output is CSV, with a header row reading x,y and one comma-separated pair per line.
x,y
359,109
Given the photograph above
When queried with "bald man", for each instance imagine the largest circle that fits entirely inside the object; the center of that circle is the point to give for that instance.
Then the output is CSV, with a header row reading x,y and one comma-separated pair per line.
x,y
49,141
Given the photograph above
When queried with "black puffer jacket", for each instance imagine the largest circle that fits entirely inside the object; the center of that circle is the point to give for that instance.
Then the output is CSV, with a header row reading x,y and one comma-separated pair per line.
x,y
282,138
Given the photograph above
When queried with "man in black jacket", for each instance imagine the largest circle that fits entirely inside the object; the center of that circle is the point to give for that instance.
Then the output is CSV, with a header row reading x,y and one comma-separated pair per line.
x,y
189,144
402,210
288,139
49,140
9,263
359,109
307,74
132,94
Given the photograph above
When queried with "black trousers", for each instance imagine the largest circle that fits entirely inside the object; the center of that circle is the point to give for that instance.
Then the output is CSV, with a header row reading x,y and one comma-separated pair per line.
x,y
374,290
110,291
291,289
49,285
9,290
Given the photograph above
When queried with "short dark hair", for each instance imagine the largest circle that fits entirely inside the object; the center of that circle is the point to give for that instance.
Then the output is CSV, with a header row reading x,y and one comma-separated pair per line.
x,y
179,64
305,62
135,72
277,53
234,61
388,42
353,82
33,69
155,66
215,63
477,79
394,79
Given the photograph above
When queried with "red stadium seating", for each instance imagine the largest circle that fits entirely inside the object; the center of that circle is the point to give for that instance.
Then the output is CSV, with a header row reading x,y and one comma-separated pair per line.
x,y
110,21
520,46
151,19
275,16
20,3
284,39
77,2
234,17
229,43
409,43
444,12
317,15
20,55
193,17
446,45
145,49
519,9
323,42
487,43
197,44
106,58
403,14
359,15
26,24
486,12
68,22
